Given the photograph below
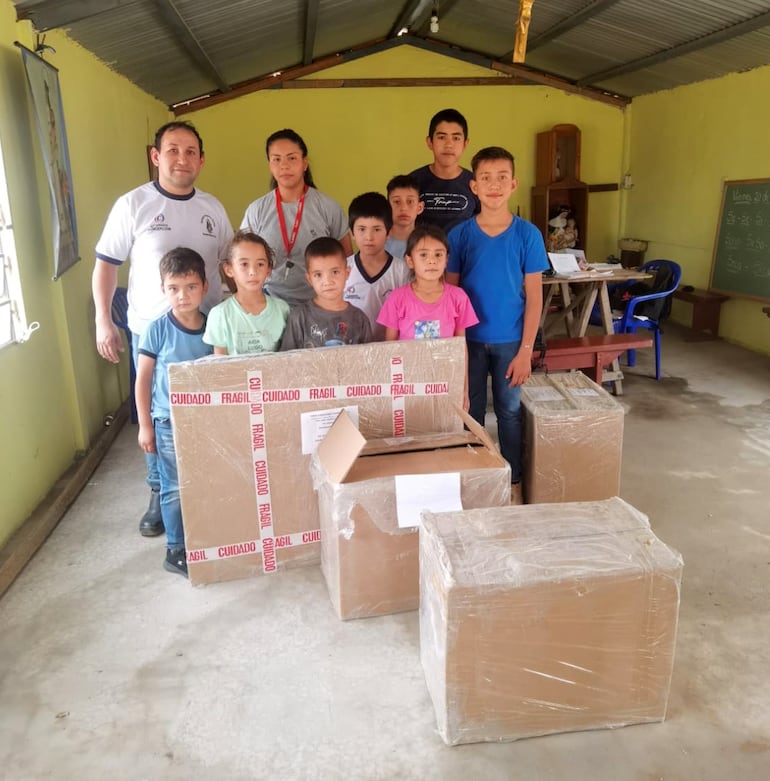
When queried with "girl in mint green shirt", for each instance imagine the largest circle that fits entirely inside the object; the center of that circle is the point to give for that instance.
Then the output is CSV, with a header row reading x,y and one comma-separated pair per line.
x,y
249,321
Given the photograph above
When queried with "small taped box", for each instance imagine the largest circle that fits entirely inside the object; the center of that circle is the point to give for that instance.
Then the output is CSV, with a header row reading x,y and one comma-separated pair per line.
x,y
573,439
370,563
537,619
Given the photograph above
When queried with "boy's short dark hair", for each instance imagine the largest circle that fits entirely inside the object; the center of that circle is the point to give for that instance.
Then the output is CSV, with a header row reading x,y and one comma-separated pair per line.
x,y
182,261
403,182
325,247
373,205
428,230
492,153
177,125
448,115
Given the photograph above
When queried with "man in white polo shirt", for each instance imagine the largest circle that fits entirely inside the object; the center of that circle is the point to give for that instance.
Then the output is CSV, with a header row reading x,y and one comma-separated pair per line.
x,y
144,224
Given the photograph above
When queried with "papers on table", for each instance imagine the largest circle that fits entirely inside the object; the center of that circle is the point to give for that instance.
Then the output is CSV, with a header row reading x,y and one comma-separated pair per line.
x,y
566,264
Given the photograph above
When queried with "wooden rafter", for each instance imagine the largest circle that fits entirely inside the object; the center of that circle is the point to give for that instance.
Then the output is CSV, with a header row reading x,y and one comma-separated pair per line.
x,y
522,30
518,74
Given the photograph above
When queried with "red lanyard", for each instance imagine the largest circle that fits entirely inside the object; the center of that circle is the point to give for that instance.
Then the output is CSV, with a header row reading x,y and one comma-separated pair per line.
x,y
288,243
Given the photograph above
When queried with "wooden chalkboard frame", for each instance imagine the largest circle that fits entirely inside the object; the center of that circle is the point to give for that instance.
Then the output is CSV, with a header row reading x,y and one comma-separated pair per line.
x,y
718,254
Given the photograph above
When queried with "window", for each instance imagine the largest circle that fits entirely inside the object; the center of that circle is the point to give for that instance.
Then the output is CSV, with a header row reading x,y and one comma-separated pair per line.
x,y
13,323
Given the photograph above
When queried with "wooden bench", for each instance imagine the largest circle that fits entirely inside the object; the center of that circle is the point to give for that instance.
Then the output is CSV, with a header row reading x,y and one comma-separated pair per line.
x,y
589,352
705,311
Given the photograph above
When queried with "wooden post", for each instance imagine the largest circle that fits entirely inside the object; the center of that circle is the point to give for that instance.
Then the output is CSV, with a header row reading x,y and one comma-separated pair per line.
x,y
522,30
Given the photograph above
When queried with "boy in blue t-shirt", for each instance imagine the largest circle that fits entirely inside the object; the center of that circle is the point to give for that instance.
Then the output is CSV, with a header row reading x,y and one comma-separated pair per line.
x,y
175,337
498,259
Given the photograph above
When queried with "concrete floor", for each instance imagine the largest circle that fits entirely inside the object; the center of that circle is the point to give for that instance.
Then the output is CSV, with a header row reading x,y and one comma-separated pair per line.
x,y
111,668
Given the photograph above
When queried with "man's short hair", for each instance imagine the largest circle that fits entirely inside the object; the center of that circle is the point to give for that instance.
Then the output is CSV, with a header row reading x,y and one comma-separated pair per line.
x,y
177,125
492,153
403,182
448,115
372,205
182,261
325,247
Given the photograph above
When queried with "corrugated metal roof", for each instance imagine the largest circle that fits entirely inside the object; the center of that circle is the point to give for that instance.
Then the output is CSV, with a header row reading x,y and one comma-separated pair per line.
x,y
178,51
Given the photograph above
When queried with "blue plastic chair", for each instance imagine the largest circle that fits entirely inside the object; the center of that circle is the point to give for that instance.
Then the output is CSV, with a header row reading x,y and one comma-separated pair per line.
x,y
629,322
120,318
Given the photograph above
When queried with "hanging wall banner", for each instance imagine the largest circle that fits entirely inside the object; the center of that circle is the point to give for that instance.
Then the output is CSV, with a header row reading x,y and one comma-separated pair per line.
x,y
43,80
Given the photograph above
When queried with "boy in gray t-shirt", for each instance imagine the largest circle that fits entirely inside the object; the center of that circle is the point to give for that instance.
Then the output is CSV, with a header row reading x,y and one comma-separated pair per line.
x,y
327,319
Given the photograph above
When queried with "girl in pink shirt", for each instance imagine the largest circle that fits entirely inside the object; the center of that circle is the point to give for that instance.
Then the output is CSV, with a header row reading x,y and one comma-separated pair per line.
x,y
428,307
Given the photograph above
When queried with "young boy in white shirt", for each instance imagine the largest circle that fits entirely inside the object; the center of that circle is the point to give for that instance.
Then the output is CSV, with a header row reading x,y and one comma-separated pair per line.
x,y
374,272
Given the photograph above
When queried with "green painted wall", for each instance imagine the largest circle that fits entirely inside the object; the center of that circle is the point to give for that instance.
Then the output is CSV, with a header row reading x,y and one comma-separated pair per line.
x,y
683,144
54,389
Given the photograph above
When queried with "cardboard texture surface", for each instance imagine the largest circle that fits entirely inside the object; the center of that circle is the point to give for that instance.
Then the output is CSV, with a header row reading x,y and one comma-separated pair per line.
x,y
573,439
371,566
546,618
247,496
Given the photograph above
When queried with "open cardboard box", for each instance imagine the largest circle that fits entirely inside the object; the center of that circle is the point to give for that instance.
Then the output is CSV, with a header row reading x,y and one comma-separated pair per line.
x,y
370,563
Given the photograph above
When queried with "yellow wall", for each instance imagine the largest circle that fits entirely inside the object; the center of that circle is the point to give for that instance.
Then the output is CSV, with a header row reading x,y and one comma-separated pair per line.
x,y
359,138
683,144
54,389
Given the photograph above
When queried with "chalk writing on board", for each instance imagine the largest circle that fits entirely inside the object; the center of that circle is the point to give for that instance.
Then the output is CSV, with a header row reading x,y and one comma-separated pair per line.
x,y
741,263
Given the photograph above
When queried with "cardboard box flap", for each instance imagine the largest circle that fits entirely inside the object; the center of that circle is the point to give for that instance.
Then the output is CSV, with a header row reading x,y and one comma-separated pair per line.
x,y
340,447
376,447
478,430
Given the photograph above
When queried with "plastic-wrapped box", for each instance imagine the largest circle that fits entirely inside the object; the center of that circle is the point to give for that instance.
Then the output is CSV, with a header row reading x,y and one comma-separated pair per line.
x,y
573,439
369,561
245,427
537,619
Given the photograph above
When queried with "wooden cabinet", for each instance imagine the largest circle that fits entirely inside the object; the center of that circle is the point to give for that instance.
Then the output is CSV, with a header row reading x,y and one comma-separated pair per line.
x,y
559,197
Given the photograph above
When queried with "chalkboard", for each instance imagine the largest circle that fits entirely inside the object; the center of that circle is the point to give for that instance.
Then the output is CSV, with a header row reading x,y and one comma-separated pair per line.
x,y
741,264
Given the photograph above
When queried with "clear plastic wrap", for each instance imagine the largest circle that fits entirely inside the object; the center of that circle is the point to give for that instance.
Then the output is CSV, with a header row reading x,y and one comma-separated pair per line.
x,y
371,565
573,439
247,495
546,618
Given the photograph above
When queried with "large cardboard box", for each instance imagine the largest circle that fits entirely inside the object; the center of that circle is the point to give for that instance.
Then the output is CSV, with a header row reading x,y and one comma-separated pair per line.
x,y
573,439
546,618
245,427
369,561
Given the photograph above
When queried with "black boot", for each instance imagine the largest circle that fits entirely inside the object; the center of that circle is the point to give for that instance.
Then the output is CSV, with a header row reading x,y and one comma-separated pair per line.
x,y
151,524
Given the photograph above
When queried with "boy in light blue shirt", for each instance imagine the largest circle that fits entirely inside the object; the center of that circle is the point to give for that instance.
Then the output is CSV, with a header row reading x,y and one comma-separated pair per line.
x,y
176,336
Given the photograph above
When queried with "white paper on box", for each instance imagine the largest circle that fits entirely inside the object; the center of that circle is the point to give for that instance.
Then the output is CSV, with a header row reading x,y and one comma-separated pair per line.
x,y
434,492
314,425
544,394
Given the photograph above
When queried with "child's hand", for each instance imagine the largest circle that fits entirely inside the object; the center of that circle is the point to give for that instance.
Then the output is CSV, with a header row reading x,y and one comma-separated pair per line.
x,y
520,368
147,438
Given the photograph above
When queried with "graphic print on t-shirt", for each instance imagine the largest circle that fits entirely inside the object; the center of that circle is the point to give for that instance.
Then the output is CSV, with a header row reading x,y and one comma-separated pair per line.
x,y
427,329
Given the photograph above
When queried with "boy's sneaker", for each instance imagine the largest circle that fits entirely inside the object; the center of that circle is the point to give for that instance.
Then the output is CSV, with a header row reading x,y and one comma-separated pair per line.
x,y
176,561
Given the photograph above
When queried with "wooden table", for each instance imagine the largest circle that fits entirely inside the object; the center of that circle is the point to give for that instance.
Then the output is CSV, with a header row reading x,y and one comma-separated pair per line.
x,y
578,296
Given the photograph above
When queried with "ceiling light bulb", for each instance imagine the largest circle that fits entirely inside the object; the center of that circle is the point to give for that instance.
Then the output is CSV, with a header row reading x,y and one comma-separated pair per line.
x,y
434,23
